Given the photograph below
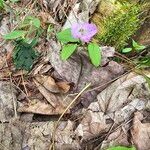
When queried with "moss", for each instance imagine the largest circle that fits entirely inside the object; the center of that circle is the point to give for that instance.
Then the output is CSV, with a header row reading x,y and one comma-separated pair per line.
x,y
115,29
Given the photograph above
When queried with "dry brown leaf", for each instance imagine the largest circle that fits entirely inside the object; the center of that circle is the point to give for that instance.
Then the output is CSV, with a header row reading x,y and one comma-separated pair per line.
x,y
118,137
48,83
55,87
56,102
38,69
11,135
64,86
40,107
47,94
140,132
92,125
37,135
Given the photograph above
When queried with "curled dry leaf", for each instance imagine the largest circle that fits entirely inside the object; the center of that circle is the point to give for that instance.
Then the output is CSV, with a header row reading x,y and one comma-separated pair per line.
x,y
37,106
38,69
56,103
55,87
48,83
140,132
51,98
45,68
41,68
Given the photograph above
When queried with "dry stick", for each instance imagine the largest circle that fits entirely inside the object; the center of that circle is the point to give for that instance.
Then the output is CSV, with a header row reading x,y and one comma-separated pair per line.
x,y
24,84
53,135
14,103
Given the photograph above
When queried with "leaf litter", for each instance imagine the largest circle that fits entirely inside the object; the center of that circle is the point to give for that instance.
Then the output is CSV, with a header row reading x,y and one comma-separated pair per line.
x,y
107,114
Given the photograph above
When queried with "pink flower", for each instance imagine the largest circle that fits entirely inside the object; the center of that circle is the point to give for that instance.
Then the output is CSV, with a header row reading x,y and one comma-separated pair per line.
x,y
83,31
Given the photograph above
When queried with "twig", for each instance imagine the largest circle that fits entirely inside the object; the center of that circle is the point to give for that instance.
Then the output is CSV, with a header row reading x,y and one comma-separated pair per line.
x,y
52,147
14,103
24,84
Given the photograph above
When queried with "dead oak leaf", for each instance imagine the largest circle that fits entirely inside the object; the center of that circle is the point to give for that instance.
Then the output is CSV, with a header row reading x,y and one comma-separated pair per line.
x,y
37,106
140,133
48,82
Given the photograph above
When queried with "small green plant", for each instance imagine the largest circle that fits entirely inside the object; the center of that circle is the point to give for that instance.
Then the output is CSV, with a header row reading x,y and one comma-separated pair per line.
x,y
24,55
121,148
80,35
15,34
135,47
28,26
138,47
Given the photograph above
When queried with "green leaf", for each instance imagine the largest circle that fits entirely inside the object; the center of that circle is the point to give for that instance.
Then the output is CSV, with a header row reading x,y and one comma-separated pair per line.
x,y
36,22
137,46
65,36
14,34
34,42
144,62
31,21
121,148
95,54
24,55
1,4
126,50
68,50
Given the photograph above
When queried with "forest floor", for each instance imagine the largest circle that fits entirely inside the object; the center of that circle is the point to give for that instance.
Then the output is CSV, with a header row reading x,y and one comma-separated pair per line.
x,y
68,105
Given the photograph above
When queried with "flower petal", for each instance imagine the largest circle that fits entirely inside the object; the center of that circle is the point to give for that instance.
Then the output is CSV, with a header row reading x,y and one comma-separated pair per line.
x,y
85,38
92,29
75,30
89,31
